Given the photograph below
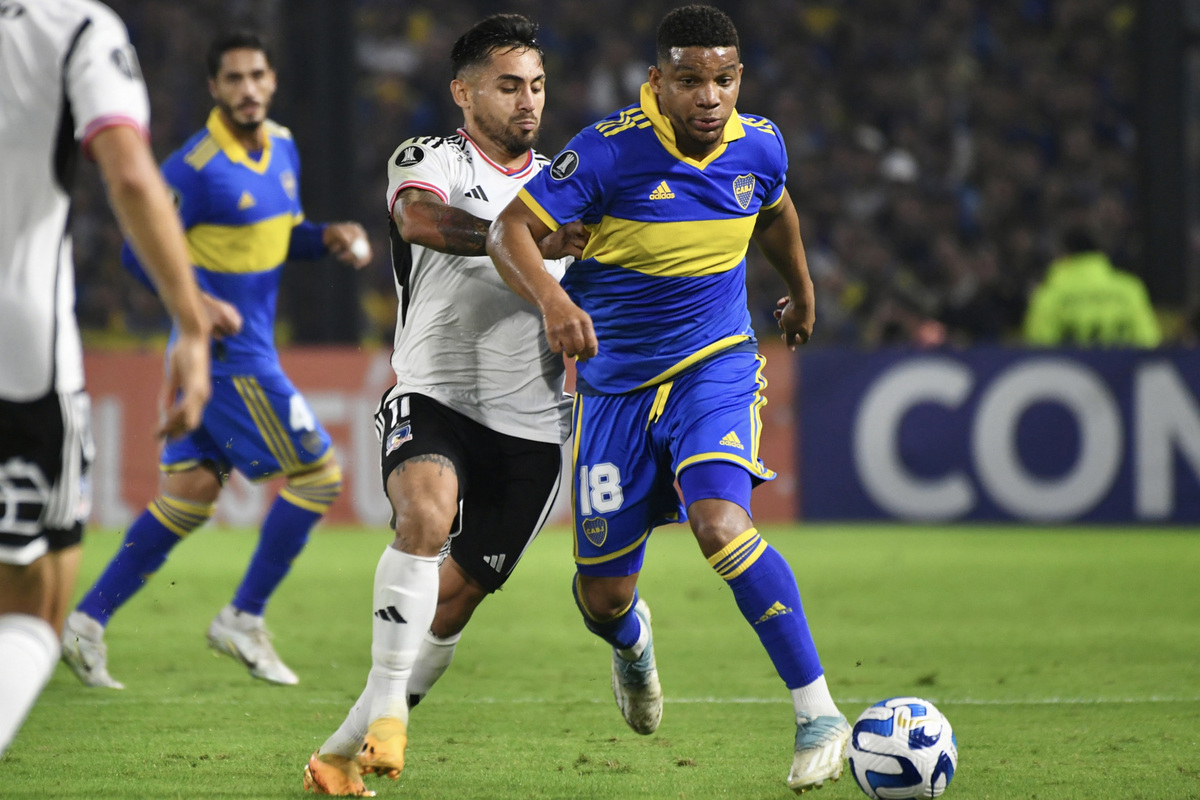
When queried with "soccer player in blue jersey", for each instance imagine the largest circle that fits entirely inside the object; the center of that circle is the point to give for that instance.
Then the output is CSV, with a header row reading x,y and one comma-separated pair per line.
x,y
672,189
236,185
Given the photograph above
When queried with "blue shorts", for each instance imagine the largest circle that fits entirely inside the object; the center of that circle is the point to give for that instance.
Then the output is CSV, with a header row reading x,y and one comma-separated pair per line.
x,y
257,424
630,448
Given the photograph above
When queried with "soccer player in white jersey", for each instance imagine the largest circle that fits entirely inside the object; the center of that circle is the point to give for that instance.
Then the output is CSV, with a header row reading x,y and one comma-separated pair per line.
x,y
69,80
472,432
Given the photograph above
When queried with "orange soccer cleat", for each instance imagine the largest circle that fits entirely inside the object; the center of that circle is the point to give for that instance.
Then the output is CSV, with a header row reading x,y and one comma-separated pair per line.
x,y
382,751
334,775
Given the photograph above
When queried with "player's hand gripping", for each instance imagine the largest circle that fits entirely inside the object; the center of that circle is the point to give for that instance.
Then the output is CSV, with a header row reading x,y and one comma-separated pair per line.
x,y
187,382
569,329
225,318
796,319
569,240
348,243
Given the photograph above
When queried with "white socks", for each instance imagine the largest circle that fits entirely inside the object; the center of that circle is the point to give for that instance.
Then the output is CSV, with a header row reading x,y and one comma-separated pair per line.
x,y
406,595
433,659
814,700
29,649
432,662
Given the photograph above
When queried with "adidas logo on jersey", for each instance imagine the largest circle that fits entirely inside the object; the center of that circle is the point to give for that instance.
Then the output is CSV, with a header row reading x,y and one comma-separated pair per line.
x,y
390,614
245,201
777,610
478,194
731,440
662,192
495,562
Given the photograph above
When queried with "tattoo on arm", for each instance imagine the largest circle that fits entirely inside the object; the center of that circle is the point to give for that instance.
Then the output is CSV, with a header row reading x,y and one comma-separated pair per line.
x,y
428,458
433,224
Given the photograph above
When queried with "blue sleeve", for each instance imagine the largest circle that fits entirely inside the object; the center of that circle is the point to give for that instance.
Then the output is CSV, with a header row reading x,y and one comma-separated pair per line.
x,y
572,187
775,189
307,242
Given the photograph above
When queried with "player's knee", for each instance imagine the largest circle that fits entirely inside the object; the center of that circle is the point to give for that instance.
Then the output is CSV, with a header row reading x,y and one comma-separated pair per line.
x,y
602,600
315,490
716,523
178,515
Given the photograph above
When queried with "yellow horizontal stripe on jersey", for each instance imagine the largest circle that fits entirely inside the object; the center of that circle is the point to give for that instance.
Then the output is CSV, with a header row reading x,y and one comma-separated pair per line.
x,y
699,355
257,247
538,211
677,249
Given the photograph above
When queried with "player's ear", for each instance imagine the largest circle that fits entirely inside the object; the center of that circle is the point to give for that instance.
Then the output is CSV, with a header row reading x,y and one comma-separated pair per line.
x,y
655,78
461,92
212,88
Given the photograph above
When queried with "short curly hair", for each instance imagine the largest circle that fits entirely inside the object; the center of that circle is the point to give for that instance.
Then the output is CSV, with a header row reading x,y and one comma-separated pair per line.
x,y
694,26
499,32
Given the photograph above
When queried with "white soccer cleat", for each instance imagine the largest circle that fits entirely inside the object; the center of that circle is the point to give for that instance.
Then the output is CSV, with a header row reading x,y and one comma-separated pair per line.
x,y
84,651
820,750
635,683
245,638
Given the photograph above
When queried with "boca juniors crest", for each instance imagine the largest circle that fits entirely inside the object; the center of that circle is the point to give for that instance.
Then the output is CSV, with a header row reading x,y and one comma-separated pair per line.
x,y
743,190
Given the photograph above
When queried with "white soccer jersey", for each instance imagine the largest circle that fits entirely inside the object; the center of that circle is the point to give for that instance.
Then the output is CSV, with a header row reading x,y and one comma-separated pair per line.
x,y
463,337
67,71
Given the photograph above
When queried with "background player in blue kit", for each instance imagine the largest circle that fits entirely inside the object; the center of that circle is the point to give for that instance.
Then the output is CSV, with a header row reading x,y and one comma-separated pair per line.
x,y
671,190
236,185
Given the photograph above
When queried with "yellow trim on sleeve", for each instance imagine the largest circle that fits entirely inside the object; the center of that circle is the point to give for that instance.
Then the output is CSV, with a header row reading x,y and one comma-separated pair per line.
x,y
537,209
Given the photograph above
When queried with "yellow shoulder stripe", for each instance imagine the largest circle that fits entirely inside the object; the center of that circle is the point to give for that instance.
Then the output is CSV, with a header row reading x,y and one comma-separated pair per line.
x,y
202,153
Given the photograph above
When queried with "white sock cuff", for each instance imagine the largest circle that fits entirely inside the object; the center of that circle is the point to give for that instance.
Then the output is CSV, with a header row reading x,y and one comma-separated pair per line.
x,y
438,641
814,699
40,638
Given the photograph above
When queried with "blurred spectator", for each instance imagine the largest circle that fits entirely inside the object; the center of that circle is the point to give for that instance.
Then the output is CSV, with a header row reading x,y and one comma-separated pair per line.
x,y
1086,301
936,147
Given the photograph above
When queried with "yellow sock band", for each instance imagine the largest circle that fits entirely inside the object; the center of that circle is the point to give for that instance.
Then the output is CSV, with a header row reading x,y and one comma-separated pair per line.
x,y
314,491
736,557
181,517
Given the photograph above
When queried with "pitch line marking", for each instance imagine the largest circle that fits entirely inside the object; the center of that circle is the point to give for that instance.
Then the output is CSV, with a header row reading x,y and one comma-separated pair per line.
x,y
207,699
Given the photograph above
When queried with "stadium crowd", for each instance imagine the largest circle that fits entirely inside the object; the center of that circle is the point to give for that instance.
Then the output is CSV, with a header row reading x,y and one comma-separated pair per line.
x,y
938,148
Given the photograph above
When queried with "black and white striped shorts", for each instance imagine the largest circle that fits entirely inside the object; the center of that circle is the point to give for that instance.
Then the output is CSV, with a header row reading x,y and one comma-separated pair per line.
x,y
46,452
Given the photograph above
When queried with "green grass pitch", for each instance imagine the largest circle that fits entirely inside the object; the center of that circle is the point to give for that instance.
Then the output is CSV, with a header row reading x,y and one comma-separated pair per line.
x,y
1067,660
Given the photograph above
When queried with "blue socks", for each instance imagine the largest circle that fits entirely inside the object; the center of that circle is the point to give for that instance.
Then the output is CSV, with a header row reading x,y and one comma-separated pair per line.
x,y
147,543
766,592
284,534
622,631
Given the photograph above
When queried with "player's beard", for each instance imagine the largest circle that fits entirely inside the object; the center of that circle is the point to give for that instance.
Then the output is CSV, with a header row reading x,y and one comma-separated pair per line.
x,y
246,126
507,135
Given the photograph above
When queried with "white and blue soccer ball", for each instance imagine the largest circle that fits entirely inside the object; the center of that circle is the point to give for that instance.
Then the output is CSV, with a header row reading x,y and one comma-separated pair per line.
x,y
902,748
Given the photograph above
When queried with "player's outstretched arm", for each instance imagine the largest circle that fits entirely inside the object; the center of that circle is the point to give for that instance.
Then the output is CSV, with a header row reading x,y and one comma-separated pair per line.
x,y
513,245
348,243
144,209
777,233
423,219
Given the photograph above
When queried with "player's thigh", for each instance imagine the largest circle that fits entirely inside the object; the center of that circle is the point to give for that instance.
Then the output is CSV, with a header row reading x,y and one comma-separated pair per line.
x,y
422,461
622,484
715,414
46,452
510,487
258,424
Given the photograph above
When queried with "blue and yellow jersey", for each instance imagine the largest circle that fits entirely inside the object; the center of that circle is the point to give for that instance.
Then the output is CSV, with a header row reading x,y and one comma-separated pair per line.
x,y
663,276
242,216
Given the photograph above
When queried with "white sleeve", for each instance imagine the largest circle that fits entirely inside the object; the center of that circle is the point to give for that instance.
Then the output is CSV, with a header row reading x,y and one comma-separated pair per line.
x,y
423,162
104,81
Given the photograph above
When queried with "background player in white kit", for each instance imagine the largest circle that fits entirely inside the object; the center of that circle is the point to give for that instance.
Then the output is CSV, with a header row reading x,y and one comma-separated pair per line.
x,y
69,79
472,432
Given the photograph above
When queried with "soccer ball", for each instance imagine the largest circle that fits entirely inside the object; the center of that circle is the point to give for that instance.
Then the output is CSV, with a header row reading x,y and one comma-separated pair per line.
x,y
902,748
